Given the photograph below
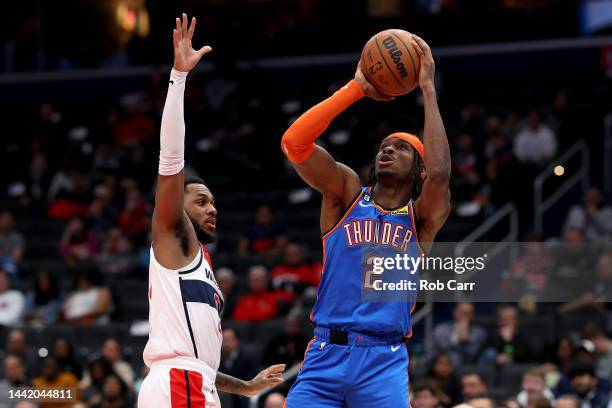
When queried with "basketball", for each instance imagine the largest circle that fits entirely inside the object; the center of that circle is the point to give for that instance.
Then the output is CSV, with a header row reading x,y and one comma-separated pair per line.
x,y
390,63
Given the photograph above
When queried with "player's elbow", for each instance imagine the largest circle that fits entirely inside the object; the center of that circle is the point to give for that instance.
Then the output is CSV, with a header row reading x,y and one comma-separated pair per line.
x,y
439,175
295,147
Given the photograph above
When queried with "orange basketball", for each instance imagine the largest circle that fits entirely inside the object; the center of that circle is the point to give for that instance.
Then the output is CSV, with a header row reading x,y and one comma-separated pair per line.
x,y
390,63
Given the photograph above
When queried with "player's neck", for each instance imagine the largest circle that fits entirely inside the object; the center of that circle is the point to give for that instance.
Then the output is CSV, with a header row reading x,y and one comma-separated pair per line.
x,y
392,196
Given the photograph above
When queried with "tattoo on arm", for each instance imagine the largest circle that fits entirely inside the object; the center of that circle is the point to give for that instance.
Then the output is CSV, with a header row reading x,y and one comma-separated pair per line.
x,y
230,384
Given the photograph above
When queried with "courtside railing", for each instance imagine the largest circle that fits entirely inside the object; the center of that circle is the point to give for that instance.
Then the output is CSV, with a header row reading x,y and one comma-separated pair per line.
x,y
541,205
507,212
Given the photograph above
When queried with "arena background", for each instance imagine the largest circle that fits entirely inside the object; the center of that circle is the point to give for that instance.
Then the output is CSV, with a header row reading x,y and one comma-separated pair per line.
x,y
82,85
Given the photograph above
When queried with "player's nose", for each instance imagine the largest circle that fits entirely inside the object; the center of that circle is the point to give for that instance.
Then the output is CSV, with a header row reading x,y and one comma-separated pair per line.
x,y
212,211
388,150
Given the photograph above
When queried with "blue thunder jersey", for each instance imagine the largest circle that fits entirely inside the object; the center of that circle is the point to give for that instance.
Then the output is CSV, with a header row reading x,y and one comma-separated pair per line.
x,y
365,227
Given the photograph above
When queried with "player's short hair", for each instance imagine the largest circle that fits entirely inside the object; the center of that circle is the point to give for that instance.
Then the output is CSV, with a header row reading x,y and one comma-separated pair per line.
x,y
192,179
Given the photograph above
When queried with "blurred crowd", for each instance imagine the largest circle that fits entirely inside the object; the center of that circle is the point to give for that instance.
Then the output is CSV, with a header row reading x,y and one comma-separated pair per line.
x,y
81,180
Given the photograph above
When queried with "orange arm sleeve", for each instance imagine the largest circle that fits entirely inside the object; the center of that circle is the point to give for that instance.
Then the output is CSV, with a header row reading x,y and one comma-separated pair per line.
x,y
298,141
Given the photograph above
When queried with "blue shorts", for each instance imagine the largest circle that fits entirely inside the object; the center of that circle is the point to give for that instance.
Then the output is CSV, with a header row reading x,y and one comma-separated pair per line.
x,y
368,372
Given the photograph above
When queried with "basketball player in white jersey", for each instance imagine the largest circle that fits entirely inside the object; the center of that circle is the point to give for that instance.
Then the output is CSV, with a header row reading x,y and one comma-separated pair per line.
x,y
184,344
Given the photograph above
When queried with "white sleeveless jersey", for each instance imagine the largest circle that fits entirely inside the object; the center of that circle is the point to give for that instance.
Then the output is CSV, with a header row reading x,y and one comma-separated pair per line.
x,y
184,322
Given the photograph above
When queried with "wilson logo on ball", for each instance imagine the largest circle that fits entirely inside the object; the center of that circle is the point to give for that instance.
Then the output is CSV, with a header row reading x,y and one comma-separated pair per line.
x,y
396,55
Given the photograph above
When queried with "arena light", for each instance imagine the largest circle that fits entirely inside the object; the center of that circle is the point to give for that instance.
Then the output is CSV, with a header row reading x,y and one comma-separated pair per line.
x,y
559,170
132,17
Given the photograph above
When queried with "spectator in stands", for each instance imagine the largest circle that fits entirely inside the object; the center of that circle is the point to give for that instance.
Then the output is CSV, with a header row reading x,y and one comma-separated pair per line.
x,y
567,401
590,390
481,402
92,383
574,263
597,292
12,301
135,218
33,188
537,143
115,394
532,271
235,362
594,217
472,386
460,339
14,375
294,274
287,347
466,170
534,387
16,344
603,348
78,242
559,359
101,213
12,243
14,378
443,376
275,400
507,344
260,303
70,196
44,302
63,351
52,376
227,283
111,352
89,302
133,127
138,383
265,237
116,257
499,167
539,402
425,395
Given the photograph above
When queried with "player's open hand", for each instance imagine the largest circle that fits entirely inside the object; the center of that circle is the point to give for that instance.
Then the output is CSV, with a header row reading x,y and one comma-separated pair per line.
x,y
185,57
427,71
268,378
369,89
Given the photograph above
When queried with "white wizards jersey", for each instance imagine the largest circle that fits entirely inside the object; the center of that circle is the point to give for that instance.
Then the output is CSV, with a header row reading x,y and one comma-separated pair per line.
x,y
184,307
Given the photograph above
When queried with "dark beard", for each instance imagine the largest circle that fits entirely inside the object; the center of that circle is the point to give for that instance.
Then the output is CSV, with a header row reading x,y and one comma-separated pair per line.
x,y
203,236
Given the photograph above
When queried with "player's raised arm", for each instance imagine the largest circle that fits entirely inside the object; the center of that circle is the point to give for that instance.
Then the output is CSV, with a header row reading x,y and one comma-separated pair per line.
x,y
337,182
433,206
168,214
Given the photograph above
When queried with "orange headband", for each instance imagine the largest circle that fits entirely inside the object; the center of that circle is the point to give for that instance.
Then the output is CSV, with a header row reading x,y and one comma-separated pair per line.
x,y
412,139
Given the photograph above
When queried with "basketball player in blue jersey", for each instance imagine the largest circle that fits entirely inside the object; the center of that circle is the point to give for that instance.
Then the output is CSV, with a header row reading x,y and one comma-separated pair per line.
x,y
357,357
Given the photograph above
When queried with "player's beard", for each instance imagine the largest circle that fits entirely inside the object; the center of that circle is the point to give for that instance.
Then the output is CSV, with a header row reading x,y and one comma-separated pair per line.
x,y
205,237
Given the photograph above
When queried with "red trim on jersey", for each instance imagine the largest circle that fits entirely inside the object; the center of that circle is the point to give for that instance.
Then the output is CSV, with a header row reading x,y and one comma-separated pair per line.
x,y
206,255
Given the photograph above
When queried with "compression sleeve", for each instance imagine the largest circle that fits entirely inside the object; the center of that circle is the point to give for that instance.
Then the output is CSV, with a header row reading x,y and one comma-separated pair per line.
x,y
172,134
